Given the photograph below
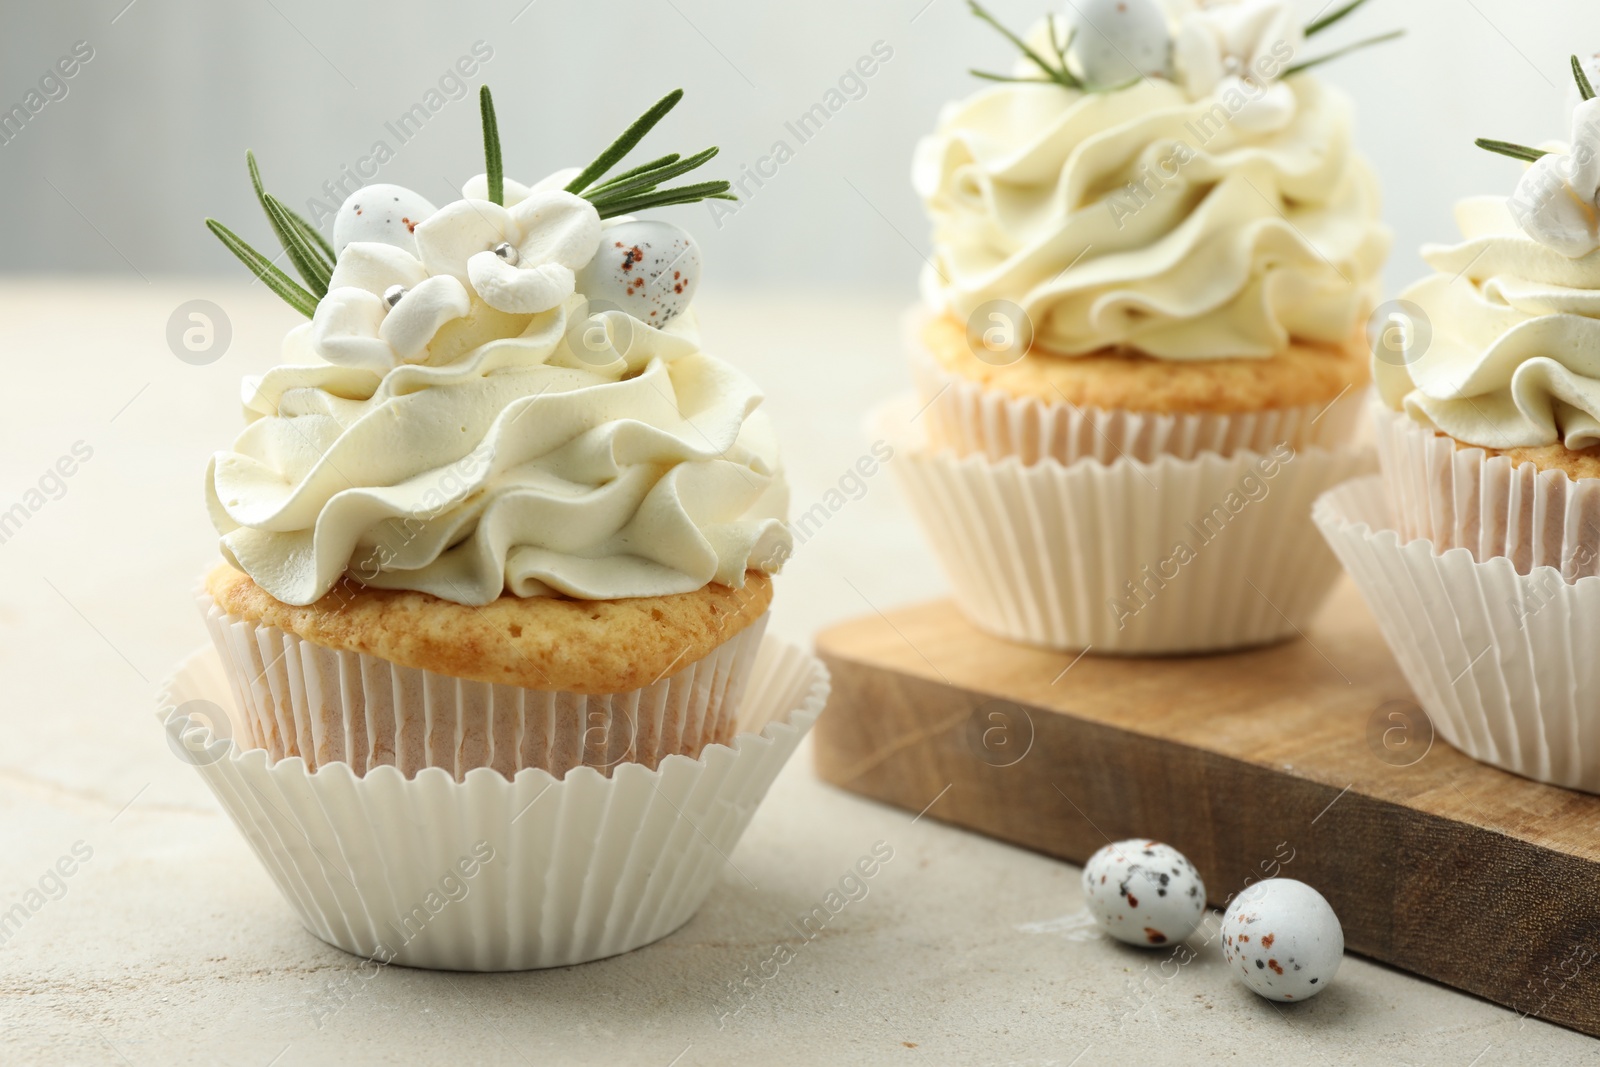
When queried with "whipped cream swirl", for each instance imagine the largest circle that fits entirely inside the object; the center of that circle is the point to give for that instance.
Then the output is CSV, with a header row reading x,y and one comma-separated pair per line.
x,y
1513,360
455,421
1221,215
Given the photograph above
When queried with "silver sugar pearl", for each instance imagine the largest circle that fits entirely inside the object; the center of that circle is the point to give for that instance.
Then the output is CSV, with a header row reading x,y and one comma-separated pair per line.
x,y
392,295
508,252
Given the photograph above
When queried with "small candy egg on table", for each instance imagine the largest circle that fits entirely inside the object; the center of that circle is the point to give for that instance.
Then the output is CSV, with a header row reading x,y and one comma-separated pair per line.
x,y
1282,939
1144,893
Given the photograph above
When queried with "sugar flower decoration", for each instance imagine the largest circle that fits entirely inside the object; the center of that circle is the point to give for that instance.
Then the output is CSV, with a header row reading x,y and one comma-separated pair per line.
x,y
1237,53
1557,202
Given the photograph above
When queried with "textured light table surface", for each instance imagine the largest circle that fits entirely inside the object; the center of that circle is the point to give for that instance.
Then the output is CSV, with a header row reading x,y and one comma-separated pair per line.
x,y
171,946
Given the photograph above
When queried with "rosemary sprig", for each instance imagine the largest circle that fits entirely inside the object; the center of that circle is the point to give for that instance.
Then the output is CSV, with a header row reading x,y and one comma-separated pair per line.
x,y
646,180
1339,53
987,76
317,258
684,194
626,143
303,253
1585,89
1316,26
494,168
1508,148
1522,151
1056,73
262,268
627,193
672,157
637,189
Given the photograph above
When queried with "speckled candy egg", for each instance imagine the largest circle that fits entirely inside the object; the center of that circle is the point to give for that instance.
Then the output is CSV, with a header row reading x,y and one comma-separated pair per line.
x,y
1283,939
384,214
1144,893
647,268
1117,41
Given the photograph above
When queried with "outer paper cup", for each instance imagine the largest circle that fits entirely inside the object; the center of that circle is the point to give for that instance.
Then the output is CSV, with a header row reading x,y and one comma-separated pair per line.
x,y
1503,663
325,705
562,871
1088,556
1459,497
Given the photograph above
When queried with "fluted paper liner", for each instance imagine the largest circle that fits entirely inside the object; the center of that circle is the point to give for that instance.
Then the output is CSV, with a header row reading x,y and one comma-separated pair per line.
x,y
972,419
1503,663
1092,555
326,705
1461,497
563,871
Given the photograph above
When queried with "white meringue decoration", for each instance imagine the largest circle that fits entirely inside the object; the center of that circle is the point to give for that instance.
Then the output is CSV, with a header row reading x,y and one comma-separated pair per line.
x,y
355,326
554,232
381,214
477,187
1237,53
345,328
1557,202
413,321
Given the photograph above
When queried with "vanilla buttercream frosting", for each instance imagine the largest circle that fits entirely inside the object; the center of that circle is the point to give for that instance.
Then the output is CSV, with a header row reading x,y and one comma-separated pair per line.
x,y
1506,350
457,419
1217,212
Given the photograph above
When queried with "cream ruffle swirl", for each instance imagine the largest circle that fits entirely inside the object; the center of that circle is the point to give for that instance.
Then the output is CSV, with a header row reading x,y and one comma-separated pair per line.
x,y
453,421
1202,218
1514,355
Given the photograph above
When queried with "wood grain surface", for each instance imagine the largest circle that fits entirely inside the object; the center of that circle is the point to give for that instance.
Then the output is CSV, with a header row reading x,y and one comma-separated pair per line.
x,y
1308,759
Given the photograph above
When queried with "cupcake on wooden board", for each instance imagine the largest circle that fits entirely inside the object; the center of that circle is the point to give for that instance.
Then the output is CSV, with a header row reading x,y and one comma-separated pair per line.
x,y
498,508
1142,349
1489,429
1478,548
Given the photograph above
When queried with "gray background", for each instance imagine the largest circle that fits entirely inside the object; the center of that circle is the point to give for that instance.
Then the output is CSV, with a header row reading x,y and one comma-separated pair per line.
x,y
117,176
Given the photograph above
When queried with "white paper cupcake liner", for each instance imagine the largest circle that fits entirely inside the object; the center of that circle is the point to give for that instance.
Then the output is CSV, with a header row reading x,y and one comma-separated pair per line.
x,y
561,871
1464,498
972,419
1170,557
325,705
1503,663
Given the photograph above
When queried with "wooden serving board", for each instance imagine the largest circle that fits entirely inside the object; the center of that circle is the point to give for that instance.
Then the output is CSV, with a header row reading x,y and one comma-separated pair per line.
x,y
1307,750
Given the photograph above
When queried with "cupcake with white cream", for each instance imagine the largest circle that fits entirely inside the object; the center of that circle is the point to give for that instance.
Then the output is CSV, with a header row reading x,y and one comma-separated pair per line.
x,y
498,505
1478,549
1155,250
499,542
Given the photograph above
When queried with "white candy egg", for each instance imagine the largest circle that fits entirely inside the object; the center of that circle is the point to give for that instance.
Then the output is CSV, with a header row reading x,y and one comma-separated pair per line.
x,y
648,269
384,214
1144,893
1117,41
1282,939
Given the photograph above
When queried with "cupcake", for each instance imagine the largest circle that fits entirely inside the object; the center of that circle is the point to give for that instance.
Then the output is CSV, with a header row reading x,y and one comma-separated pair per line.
x,y
1478,548
498,508
498,545
1141,350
